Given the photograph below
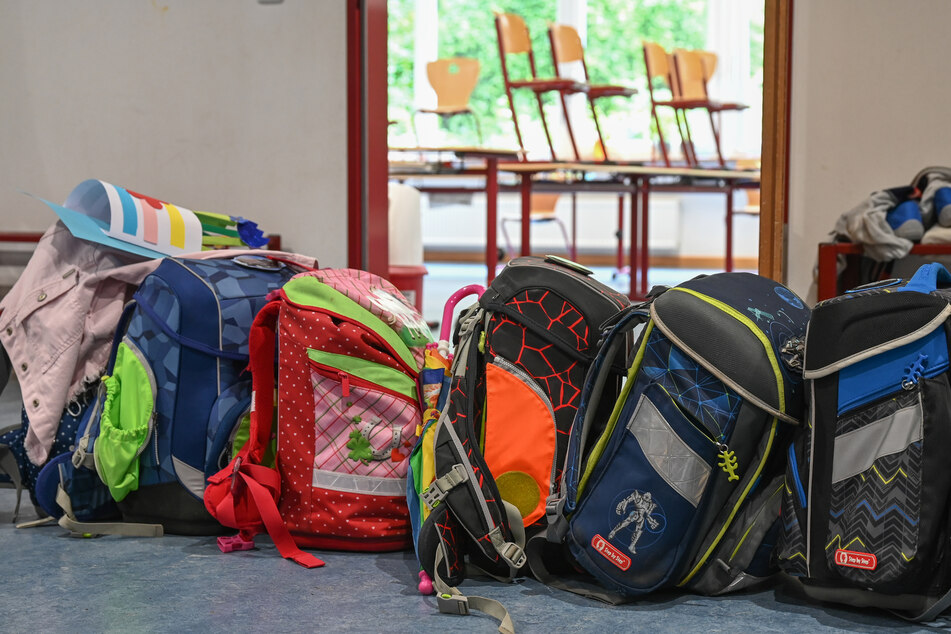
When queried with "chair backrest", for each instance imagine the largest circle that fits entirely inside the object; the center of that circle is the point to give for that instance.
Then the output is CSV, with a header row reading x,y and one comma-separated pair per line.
x,y
453,79
513,34
657,63
689,74
565,44
514,39
709,61
543,206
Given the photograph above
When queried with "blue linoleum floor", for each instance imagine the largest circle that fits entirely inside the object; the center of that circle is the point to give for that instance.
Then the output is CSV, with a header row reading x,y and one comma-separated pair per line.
x,y
55,583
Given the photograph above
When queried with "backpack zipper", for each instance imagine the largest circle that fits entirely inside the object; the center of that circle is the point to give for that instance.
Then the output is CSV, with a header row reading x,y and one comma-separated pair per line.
x,y
347,380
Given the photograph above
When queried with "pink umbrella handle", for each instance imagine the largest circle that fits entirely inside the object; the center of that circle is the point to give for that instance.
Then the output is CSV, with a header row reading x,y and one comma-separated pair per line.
x,y
455,298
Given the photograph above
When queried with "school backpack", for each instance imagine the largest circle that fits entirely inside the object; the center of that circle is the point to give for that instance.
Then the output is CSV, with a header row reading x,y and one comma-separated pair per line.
x,y
90,501
174,392
866,506
681,487
520,364
349,351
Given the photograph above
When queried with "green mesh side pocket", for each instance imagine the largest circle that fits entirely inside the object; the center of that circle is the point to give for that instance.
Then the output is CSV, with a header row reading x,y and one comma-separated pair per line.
x,y
126,423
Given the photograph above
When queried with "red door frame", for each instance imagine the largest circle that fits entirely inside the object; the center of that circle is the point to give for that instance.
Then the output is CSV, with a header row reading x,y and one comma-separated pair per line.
x,y
367,169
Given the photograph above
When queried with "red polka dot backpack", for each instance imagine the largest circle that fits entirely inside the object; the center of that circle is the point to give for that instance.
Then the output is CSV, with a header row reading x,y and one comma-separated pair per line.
x,y
332,475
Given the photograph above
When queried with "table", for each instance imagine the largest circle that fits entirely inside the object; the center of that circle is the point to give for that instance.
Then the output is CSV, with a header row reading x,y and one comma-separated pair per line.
x,y
634,179
639,180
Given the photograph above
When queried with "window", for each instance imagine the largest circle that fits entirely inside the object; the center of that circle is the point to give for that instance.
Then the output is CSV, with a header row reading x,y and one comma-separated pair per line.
x,y
423,30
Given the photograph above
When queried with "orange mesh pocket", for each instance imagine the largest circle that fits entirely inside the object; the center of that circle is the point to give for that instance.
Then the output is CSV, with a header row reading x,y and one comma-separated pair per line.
x,y
519,445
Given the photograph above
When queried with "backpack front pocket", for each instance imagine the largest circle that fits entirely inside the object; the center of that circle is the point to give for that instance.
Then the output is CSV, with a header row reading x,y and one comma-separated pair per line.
x,y
875,528
365,418
634,526
519,438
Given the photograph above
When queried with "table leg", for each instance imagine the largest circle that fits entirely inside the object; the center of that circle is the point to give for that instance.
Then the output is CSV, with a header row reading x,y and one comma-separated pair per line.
x,y
491,216
633,263
645,255
526,248
729,228
826,282
620,231
574,227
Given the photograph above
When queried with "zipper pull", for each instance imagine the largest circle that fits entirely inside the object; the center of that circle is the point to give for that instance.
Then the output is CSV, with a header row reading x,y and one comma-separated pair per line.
x,y
728,462
913,372
344,383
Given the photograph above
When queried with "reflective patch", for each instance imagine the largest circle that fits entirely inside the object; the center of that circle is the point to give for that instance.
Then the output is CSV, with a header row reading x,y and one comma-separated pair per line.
x,y
367,485
685,471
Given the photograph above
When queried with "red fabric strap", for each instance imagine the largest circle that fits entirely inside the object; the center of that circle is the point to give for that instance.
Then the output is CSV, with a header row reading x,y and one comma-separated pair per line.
x,y
227,496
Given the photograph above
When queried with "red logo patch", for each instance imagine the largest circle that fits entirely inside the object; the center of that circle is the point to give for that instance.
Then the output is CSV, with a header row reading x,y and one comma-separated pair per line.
x,y
610,553
852,559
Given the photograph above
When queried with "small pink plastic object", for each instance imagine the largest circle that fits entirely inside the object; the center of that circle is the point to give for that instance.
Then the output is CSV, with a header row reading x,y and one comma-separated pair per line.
x,y
231,543
425,583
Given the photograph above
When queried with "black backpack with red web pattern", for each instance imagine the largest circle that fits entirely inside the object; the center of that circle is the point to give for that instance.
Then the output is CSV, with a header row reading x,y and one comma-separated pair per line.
x,y
521,358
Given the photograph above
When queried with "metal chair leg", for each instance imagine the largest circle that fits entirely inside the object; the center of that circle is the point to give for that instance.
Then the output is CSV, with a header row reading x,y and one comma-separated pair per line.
x,y
660,135
541,112
597,126
505,235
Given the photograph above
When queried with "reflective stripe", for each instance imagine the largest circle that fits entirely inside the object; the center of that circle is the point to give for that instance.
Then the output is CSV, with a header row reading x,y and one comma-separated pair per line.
x,y
349,483
673,460
856,451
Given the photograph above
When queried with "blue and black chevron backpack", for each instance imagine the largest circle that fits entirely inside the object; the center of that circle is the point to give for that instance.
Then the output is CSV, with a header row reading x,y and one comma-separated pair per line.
x,y
682,487
868,489
176,389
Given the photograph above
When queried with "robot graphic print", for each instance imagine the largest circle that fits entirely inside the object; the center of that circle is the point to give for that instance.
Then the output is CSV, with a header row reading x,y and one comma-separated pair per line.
x,y
638,521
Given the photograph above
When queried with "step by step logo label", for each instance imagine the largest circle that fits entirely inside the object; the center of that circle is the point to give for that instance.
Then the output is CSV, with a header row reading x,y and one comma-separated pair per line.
x,y
609,552
852,559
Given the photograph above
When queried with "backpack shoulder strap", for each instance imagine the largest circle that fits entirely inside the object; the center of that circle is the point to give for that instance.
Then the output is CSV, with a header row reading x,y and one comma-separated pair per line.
x,y
244,494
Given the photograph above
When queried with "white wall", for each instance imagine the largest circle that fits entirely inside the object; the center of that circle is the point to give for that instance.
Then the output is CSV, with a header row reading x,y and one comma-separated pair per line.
x,y
870,95
226,106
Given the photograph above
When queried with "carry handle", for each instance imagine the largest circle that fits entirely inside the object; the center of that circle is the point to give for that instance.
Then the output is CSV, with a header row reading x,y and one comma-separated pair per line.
x,y
446,327
928,278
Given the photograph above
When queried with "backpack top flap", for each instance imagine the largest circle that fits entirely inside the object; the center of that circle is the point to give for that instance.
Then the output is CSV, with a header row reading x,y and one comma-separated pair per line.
x,y
226,288
870,321
370,300
735,325
572,282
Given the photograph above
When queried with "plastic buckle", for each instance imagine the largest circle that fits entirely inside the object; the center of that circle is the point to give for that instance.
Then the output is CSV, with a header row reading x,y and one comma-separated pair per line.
x,y
440,487
452,603
231,543
513,555
432,495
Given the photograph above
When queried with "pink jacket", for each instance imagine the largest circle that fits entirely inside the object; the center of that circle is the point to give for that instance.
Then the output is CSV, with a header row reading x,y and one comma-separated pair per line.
x,y
58,321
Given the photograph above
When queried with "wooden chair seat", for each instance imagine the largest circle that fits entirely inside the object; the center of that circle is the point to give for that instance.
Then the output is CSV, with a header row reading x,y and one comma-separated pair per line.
x,y
446,110
555,84
609,90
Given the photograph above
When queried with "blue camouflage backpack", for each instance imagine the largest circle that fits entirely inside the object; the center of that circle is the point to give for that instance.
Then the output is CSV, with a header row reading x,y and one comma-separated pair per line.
x,y
173,403
681,487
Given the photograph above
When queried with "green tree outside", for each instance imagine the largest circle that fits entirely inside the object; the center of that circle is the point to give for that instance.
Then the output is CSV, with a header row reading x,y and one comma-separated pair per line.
x,y
613,54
